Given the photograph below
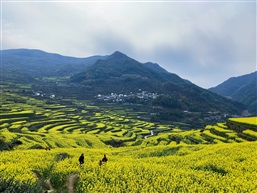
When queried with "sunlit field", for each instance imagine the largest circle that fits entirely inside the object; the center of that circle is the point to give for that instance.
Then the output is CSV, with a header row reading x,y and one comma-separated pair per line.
x,y
142,156
171,168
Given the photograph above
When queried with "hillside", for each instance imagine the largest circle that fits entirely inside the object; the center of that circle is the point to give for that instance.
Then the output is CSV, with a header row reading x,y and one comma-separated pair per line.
x,y
242,89
155,67
121,74
145,86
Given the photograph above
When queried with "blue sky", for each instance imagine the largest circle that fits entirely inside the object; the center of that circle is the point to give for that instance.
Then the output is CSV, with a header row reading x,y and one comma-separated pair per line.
x,y
206,42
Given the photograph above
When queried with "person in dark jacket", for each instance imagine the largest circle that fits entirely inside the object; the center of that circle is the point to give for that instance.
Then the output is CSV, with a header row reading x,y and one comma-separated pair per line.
x,y
104,158
81,159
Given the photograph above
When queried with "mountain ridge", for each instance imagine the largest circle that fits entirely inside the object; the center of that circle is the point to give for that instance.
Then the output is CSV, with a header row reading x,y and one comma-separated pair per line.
x,y
119,73
241,89
126,69
112,73
39,63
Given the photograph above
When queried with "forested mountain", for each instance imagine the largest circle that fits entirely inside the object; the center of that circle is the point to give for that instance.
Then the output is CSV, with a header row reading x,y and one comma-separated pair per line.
x,y
116,73
119,73
242,89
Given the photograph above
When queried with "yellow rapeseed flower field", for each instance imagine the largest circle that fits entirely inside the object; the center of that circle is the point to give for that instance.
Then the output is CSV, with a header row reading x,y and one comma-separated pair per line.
x,y
245,120
169,168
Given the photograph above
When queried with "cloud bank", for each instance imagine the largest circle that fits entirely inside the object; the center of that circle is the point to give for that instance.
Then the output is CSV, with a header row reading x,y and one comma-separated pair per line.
x,y
204,42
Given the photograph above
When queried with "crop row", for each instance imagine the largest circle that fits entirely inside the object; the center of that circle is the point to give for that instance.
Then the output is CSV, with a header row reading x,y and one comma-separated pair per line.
x,y
116,133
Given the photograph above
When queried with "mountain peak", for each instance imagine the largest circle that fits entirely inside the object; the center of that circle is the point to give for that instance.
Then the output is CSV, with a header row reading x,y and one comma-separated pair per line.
x,y
118,54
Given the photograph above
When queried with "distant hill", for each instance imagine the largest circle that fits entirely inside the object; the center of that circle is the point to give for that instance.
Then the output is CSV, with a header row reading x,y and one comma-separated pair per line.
x,y
119,73
31,63
242,89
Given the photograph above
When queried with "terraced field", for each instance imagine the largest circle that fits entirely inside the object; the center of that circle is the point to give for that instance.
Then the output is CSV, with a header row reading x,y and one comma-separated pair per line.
x,y
29,123
151,157
34,123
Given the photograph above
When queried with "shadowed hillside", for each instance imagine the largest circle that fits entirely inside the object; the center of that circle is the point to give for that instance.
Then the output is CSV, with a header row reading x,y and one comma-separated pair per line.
x,y
121,74
242,89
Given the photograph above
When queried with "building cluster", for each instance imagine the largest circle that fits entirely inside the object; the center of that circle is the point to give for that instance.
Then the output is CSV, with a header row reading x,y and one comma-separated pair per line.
x,y
217,116
41,94
115,98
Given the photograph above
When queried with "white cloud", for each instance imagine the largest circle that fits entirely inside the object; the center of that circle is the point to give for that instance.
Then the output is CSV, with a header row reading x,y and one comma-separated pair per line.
x,y
203,42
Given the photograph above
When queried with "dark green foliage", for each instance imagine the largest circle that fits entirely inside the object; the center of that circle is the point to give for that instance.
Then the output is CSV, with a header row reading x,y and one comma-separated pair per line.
x,y
3,145
213,168
246,137
166,101
12,186
115,143
170,115
165,152
16,115
62,156
10,145
207,138
193,140
176,138
216,132
37,146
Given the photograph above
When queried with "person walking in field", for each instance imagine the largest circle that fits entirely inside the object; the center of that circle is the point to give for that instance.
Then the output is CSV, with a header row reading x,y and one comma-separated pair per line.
x,y
81,159
103,160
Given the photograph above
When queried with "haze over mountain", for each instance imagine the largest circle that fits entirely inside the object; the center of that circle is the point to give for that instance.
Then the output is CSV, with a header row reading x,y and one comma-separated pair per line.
x,y
242,88
116,73
31,63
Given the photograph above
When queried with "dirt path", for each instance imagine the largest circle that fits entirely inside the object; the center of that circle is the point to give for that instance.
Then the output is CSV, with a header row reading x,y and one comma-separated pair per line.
x,y
71,183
